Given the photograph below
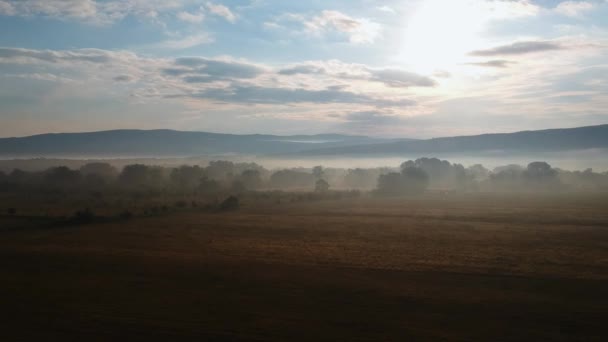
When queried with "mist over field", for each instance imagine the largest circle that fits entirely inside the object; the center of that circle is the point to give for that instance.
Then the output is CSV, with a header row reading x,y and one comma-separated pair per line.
x,y
271,170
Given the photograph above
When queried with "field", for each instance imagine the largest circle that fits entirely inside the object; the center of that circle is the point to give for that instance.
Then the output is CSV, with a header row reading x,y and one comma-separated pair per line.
x,y
481,267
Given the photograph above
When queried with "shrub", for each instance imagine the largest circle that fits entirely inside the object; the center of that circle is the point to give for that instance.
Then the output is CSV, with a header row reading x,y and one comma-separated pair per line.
x,y
83,216
229,204
126,215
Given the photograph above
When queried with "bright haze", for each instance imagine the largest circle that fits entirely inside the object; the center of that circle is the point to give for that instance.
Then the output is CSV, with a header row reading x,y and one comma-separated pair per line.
x,y
414,69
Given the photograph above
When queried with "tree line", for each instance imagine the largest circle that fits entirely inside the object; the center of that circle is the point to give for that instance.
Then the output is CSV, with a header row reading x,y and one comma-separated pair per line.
x,y
412,177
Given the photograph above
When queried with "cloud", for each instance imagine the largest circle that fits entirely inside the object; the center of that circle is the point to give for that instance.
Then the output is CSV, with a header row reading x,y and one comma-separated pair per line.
x,y
193,18
371,117
386,9
222,11
90,11
123,78
6,8
392,77
75,9
217,68
370,122
519,48
498,63
400,78
185,42
20,55
252,94
302,69
574,8
356,30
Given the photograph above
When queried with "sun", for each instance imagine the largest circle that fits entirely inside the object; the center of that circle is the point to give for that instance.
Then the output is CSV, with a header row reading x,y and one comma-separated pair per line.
x,y
439,34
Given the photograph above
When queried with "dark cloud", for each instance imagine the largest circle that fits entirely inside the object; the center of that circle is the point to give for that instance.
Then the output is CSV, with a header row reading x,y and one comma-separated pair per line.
x,y
400,78
218,68
123,78
302,69
500,63
519,48
200,79
83,55
266,95
364,121
371,117
390,77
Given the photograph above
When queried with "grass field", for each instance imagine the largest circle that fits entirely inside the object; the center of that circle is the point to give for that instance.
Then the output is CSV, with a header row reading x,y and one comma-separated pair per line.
x,y
457,268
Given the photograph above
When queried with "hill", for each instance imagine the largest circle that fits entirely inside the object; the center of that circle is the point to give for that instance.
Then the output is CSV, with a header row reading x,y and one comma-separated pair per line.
x,y
551,140
144,143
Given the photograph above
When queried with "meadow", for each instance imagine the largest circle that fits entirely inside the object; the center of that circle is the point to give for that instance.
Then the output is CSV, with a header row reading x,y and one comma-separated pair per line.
x,y
439,266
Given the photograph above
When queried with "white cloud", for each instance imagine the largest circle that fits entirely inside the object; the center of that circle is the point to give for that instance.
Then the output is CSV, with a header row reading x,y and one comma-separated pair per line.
x,y
75,9
91,11
222,11
6,8
509,9
359,31
386,9
193,18
186,42
574,8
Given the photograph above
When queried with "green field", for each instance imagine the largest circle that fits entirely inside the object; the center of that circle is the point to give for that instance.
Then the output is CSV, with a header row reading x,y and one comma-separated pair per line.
x,y
456,268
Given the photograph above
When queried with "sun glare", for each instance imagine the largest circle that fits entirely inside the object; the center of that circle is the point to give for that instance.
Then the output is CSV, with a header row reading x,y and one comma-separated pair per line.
x,y
439,34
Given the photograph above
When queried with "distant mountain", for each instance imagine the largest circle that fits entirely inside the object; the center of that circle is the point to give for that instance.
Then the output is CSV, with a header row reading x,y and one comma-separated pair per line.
x,y
551,140
168,143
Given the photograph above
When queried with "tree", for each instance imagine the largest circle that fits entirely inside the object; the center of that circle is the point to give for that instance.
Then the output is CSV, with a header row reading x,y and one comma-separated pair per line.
x,y
220,170
291,179
209,186
187,177
540,174
238,187
390,184
62,176
318,172
441,173
321,186
141,175
411,180
416,180
230,203
251,179
104,170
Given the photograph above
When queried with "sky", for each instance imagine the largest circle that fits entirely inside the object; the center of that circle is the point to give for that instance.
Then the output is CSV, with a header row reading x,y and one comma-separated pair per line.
x,y
396,68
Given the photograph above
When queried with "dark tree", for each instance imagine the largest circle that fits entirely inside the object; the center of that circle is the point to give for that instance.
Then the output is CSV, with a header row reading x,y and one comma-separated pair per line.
x,y
209,186
321,186
103,170
410,181
230,203
62,176
141,175
187,177
318,172
416,180
390,184
291,179
251,179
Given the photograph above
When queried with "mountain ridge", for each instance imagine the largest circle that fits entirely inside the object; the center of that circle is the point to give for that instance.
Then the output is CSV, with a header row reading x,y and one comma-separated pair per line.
x,y
166,142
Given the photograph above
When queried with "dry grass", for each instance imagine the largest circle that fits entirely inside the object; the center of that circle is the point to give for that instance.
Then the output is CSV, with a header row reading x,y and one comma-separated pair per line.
x,y
474,267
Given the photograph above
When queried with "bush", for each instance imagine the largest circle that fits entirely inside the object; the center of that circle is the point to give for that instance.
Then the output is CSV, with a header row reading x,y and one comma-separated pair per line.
x,y
229,204
126,215
83,216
